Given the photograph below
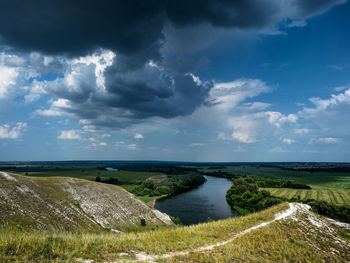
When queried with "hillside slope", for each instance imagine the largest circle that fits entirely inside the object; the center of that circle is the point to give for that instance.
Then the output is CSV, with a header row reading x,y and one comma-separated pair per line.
x,y
283,233
59,203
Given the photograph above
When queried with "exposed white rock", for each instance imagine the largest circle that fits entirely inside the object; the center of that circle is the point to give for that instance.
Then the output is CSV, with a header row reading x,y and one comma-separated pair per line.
x,y
69,203
8,177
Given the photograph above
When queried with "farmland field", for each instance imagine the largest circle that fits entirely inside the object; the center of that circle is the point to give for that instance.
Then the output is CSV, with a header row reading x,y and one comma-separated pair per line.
x,y
331,195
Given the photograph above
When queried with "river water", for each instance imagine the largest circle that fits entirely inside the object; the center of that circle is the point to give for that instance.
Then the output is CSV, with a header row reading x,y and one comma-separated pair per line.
x,y
196,205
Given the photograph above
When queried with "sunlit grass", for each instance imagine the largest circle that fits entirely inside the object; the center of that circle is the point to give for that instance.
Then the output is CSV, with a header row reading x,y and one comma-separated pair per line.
x,y
282,241
28,246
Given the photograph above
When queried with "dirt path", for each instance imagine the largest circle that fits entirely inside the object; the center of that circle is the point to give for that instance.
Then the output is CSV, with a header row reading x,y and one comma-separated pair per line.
x,y
293,208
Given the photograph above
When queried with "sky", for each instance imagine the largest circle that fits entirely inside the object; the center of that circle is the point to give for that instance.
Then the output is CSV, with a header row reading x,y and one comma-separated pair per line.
x,y
250,80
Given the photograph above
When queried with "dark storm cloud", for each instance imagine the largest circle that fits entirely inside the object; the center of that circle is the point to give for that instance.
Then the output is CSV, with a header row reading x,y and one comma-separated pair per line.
x,y
129,97
164,96
135,31
131,27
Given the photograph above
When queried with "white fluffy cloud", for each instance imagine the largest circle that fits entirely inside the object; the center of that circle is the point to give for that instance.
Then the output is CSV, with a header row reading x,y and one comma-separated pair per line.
x,y
288,140
231,110
322,105
324,140
138,136
18,70
227,95
14,132
327,117
70,135
8,77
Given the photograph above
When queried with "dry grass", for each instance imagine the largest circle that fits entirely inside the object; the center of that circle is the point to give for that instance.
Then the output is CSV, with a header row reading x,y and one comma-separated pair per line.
x,y
65,247
282,241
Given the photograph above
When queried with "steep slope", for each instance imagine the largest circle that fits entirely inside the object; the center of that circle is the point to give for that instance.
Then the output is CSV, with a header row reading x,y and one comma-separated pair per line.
x,y
59,203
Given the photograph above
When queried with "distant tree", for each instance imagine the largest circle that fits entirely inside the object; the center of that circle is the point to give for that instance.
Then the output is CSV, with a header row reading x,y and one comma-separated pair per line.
x,y
98,179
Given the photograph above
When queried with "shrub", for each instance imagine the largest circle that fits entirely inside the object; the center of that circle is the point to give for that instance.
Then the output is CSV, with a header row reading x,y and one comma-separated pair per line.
x,y
143,222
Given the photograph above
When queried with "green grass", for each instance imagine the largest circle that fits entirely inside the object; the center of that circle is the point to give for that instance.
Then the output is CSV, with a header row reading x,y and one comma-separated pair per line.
x,y
287,241
330,195
321,179
147,198
282,241
30,246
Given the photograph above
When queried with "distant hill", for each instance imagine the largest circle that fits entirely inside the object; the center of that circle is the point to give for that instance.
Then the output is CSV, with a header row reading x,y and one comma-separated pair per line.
x,y
61,203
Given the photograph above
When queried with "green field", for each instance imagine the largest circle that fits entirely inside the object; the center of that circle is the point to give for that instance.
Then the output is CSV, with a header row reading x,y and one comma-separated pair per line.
x,y
331,195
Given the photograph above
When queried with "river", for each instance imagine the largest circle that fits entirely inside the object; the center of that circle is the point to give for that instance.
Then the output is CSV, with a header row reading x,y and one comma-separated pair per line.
x,y
196,205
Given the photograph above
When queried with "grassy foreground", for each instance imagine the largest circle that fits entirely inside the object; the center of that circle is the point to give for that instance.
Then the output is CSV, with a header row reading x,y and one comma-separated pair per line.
x,y
28,246
292,240
330,195
281,241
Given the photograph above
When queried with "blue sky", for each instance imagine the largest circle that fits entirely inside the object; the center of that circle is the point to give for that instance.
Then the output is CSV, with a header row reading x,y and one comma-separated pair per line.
x,y
202,89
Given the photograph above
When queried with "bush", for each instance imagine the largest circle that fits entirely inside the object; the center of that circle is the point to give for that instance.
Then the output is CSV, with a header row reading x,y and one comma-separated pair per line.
x,y
172,185
111,180
143,222
98,179
244,196
340,213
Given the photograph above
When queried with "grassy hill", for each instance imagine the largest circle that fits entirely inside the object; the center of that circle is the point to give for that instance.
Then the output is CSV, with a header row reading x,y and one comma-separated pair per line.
x,y
283,233
62,203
